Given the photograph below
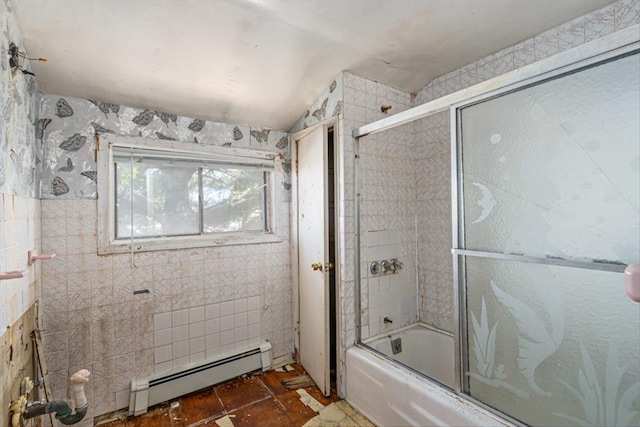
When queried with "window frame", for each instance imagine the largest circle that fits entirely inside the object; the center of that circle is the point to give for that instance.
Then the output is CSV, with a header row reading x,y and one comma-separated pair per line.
x,y
107,242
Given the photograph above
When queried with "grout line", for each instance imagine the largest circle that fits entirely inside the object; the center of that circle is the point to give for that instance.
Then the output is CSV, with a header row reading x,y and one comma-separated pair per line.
x,y
248,404
224,410
211,418
264,386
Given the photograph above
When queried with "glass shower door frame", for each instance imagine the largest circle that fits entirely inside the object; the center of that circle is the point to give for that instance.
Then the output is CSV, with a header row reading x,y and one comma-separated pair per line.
x,y
568,63
600,50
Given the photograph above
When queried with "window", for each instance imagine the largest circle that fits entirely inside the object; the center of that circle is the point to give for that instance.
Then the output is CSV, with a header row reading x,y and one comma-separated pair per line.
x,y
162,195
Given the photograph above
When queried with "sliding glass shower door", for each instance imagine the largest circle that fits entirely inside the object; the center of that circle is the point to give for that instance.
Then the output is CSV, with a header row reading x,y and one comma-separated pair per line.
x,y
548,205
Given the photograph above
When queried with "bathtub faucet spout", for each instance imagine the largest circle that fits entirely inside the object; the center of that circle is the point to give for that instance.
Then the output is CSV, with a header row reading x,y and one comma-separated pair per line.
x,y
387,320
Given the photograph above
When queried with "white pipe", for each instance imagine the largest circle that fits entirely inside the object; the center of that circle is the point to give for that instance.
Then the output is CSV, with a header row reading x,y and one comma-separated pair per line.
x,y
77,387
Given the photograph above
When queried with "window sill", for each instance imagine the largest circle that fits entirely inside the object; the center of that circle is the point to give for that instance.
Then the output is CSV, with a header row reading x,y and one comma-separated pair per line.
x,y
187,242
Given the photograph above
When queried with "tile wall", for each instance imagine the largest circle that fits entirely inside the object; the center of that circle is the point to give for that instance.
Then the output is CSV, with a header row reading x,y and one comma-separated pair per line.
x,y
391,295
434,224
19,233
362,101
187,336
92,318
387,221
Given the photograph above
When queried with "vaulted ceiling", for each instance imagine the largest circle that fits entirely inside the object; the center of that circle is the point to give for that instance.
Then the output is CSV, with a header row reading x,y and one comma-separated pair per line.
x,y
263,62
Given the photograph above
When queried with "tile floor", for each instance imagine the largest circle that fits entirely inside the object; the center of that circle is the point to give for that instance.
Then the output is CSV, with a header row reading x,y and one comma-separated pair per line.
x,y
256,400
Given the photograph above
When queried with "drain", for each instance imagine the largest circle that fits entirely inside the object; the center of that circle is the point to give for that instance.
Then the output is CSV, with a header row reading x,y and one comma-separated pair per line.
x,y
396,345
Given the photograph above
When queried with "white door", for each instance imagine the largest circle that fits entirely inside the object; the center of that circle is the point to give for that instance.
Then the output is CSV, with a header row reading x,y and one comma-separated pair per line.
x,y
313,257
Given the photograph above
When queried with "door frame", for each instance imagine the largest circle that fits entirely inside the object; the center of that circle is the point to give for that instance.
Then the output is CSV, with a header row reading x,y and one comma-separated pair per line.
x,y
295,265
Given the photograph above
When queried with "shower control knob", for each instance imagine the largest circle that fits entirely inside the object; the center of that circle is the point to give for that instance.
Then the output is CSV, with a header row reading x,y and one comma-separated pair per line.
x,y
385,266
395,265
374,267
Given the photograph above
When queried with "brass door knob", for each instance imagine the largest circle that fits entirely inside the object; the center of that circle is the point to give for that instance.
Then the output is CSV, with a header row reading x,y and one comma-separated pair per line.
x,y
317,266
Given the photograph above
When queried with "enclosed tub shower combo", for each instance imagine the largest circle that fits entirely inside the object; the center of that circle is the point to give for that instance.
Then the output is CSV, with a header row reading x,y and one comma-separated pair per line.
x,y
528,239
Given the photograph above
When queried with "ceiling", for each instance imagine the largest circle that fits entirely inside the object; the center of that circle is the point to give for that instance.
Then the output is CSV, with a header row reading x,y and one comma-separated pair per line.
x,y
263,62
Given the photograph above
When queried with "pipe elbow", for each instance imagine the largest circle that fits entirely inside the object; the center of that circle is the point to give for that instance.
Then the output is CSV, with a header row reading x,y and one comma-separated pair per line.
x,y
64,414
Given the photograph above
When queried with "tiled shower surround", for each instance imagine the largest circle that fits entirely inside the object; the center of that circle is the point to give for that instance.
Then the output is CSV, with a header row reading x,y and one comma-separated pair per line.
x,y
430,152
433,139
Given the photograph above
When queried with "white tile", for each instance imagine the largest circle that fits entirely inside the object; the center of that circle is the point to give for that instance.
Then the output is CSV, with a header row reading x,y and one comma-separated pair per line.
x,y
253,317
227,349
122,399
212,326
196,358
163,367
240,320
241,345
253,331
253,303
162,337
240,334
226,308
180,362
180,317
212,353
196,330
226,323
196,314
365,331
162,354
196,345
212,311
212,341
180,349
240,305
226,338
384,285
180,333
372,238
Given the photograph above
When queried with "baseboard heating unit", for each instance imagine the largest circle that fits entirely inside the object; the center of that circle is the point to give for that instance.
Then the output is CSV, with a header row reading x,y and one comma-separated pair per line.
x,y
149,391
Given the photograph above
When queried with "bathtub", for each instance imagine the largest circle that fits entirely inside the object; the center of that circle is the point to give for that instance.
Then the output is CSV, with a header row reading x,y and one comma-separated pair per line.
x,y
424,349
392,395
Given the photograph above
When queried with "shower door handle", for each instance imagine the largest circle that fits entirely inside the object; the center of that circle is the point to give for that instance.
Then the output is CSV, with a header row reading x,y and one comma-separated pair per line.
x,y
632,282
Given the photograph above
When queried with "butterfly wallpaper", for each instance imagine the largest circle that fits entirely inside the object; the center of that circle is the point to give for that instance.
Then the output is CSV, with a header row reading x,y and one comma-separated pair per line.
x,y
68,126
329,104
20,152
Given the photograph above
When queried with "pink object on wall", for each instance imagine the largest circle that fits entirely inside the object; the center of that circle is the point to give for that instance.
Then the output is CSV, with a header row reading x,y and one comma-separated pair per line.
x,y
632,281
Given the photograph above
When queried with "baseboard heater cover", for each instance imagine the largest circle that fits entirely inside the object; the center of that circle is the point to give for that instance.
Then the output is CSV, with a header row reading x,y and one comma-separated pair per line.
x,y
154,389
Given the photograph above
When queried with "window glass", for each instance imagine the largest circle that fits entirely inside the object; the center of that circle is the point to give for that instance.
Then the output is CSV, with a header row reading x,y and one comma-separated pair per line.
x,y
164,197
233,200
